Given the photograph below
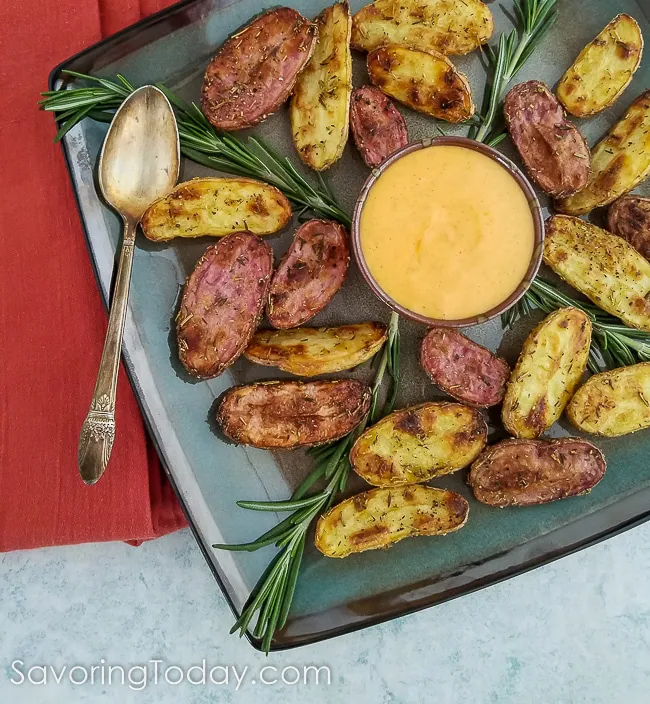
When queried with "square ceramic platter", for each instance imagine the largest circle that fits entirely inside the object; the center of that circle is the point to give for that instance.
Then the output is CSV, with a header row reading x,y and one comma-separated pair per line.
x,y
333,596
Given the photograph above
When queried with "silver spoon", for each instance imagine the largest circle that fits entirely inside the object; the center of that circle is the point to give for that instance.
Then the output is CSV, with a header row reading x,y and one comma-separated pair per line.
x,y
138,164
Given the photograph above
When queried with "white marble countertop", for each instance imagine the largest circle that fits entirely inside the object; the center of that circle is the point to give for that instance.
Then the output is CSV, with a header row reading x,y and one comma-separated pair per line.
x,y
575,631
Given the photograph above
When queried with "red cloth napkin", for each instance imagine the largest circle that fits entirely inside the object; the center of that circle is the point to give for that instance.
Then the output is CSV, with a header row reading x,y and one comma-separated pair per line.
x,y
52,321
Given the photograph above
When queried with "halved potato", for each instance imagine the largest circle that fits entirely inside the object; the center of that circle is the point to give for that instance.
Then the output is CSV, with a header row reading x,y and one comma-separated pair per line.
x,y
618,163
321,99
380,517
419,443
217,207
613,403
603,69
312,351
550,366
426,81
604,267
448,26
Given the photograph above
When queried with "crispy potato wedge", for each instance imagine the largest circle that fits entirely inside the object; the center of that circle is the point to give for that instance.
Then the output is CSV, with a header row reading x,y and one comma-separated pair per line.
x,y
613,403
529,472
281,415
603,69
447,26
462,368
426,81
321,98
603,266
550,367
618,163
629,218
378,518
216,207
256,69
419,443
554,152
222,303
377,125
313,351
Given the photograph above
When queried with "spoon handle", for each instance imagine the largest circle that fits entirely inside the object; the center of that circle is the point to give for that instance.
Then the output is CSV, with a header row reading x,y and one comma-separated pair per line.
x,y
98,430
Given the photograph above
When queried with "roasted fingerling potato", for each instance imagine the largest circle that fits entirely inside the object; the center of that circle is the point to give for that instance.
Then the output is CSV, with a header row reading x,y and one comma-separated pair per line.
x,y
321,98
613,403
603,266
618,163
418,443
629,218
550,367
530,472
425,81
216,207
313,351
447,26
603,69
378,518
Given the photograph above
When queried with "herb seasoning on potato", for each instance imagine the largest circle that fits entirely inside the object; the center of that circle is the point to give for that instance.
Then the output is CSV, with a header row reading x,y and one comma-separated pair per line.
x,y
550,367
629,218
378,518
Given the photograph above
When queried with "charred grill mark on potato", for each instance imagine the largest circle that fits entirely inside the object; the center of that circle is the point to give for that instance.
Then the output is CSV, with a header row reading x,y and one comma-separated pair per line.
x,y
629,218
381,517
529,472
311,272
554,152
255,70
222,303
288,414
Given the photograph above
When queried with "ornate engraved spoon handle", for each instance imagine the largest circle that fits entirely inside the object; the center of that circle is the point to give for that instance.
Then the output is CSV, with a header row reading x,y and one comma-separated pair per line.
x,y
98,430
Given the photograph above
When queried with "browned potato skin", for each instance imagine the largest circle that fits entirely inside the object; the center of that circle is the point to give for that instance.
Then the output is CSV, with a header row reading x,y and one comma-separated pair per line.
x,y
282,415
530,472
629,218
377,125
380,518
222,303
255,70
463,369
554,152
309,275
406,75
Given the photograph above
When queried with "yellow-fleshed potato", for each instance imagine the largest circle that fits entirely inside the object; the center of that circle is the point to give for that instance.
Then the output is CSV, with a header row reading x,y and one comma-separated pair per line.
x,y
216,207
381,517
603,69
312,351
426,81
419,443
448,26
550,366
321,99
604,267
613,403
618,163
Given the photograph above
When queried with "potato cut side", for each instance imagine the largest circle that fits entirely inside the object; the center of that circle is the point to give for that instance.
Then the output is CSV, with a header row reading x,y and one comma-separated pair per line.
x,y
550,367
419,443
426,81
604,267
380,517
618,163
613,403
312,351
321,99
217,207
447,26
603,69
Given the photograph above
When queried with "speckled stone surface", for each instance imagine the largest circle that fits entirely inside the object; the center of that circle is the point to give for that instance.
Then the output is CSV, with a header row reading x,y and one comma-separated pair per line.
x,y
575,631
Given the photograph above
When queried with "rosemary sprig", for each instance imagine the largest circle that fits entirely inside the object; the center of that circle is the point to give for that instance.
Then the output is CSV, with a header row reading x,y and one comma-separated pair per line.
x,y
200,141
272,595
612,344
535,18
